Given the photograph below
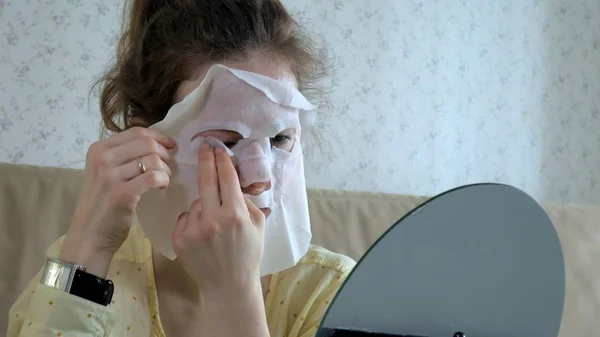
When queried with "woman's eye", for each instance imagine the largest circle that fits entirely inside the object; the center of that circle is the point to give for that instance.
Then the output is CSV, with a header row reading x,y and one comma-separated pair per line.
x,y
283,142
230,144
280,140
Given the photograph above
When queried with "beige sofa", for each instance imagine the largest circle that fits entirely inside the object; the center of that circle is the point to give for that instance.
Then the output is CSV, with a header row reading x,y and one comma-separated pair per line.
x,y
36,205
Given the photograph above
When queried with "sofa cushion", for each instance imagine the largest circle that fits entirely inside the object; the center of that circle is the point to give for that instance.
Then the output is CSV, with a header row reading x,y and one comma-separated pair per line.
x,y
36,205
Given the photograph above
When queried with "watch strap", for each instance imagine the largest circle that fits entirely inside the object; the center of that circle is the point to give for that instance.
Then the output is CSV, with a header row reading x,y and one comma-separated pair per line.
x,y
92,288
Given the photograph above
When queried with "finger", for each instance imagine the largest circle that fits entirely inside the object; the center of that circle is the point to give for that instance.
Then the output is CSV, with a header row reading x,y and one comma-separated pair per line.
x,y
229,184
256,215
151,162
139,132
151,179
208,183
196,209
178,239
137,148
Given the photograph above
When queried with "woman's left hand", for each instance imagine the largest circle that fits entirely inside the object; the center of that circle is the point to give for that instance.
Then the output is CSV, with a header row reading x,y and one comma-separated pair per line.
x,y
220,239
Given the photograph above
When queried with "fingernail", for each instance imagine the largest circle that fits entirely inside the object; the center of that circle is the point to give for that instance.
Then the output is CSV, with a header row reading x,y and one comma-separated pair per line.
x,y
218,151
204,147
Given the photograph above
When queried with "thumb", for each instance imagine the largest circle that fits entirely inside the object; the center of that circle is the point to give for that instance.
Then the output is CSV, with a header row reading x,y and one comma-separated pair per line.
x,y
256,215
178,239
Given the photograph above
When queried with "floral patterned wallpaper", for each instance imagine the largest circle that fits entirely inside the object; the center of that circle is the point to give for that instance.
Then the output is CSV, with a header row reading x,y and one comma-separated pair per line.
x,y
426,95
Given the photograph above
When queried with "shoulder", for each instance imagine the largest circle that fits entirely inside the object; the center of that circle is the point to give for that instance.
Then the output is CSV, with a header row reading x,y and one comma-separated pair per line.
x,y
319,269
327,259
301,295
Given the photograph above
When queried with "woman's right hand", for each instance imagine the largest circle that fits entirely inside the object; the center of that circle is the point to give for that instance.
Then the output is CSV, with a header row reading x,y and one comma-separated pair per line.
x,y
113,182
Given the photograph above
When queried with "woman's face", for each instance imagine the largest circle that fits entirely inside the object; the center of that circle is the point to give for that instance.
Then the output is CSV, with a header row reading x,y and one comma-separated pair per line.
x,y
260,64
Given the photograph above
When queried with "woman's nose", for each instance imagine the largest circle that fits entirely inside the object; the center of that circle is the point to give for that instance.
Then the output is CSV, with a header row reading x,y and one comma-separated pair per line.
x,y
257,188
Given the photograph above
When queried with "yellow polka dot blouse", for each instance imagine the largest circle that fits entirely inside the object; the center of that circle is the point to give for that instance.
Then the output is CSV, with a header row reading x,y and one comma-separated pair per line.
x,y
296,300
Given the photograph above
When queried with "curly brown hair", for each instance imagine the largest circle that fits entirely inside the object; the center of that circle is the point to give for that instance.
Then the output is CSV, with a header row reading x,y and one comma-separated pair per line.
x,y
163,42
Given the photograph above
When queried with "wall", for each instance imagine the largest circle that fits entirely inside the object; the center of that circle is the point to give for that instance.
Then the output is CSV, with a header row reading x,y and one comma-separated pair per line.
x,y
427,95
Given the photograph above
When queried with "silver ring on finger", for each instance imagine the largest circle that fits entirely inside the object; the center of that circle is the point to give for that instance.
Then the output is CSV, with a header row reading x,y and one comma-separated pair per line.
x,y
141,165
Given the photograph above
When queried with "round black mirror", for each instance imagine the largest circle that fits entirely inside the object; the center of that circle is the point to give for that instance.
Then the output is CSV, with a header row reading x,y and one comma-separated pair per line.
x,y
480,260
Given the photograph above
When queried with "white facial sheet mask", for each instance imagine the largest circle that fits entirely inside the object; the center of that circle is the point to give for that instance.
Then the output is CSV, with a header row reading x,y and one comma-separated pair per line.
x,y
258,108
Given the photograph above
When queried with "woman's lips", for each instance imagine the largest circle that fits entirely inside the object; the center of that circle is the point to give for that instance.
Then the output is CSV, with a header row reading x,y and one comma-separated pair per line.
x,y
266,211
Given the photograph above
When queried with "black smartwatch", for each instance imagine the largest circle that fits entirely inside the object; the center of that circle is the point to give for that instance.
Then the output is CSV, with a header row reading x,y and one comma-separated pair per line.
x,y
73,279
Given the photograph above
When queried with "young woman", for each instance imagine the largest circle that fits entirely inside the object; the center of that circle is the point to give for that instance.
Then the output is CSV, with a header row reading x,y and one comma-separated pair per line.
x,y
214,287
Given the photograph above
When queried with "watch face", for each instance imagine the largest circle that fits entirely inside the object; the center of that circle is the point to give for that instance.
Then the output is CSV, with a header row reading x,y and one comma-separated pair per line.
x,y
57,274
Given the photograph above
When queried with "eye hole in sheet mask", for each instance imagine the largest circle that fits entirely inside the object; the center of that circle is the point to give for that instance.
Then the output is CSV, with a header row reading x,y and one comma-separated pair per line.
x,y
228,137
284,140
